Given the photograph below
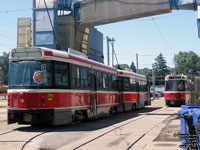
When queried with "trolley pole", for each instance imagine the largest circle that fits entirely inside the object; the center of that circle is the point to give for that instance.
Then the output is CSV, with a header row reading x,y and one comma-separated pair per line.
x,y
137,62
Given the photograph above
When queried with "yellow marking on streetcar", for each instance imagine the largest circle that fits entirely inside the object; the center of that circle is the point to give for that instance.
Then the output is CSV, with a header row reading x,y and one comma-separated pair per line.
x,y
50,97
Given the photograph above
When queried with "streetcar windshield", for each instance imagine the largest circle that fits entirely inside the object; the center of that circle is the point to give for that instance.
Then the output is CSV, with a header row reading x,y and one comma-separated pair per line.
x,y
175,85
30,73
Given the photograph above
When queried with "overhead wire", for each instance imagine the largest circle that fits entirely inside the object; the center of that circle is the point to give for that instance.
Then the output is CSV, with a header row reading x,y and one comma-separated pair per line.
x,y
162,36
7,37
157,18
6,45
1,25
18,10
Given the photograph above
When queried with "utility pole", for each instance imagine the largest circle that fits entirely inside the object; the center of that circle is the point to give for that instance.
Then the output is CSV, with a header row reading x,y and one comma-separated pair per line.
x,y
108,50
137,62
153,81
112,43
109,40
174,63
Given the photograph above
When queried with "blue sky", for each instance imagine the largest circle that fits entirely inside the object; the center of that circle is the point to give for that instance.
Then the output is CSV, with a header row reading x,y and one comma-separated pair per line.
x,y
167,34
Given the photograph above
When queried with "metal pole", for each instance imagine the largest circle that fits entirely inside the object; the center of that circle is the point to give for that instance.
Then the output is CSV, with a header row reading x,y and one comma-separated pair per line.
x,y
108,50
112,41
137,62
153,81
34,24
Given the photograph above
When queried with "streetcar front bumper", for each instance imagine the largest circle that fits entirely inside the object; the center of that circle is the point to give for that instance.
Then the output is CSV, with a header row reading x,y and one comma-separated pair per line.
x,y
49,116
175,102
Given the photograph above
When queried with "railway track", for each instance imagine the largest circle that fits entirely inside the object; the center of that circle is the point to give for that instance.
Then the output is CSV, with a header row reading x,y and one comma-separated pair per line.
x,y
38,132
81,146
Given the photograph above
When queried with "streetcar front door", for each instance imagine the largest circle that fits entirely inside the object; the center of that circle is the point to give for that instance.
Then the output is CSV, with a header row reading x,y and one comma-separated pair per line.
x,y
93,95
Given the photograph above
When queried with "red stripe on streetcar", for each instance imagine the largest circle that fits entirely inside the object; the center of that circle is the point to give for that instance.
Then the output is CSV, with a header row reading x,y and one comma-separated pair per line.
x,y
48,53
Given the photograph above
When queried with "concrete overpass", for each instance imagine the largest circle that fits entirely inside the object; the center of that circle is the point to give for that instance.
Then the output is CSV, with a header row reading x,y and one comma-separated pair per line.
x,y
66,21
98,12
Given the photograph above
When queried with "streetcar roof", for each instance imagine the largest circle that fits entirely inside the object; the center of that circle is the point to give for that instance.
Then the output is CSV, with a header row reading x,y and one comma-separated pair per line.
x,y
42,53
130,74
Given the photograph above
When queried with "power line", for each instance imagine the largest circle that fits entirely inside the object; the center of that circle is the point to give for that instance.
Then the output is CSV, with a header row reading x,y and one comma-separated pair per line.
x,y
1,25
7,37
153,55
157,18
162,36
6,45
11,11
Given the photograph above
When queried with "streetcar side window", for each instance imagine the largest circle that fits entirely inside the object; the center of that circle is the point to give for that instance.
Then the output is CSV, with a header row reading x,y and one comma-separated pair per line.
x,y
133,85
61,75
84,77
105,81
126,84
142,86
99,80
75,76
137,86
109,80
146,87
114,83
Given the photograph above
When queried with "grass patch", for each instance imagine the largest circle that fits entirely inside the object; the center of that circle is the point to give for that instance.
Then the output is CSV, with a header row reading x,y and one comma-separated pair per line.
x,y
3,120
3,106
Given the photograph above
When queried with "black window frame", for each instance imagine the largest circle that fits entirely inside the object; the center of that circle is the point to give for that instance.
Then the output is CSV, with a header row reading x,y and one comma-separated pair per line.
x,y
54,75
77,80
86,80
32,87
105,81
99,80
133,86
128,82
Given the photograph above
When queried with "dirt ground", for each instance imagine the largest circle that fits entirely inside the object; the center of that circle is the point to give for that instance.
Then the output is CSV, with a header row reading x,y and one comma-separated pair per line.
x,y
167,133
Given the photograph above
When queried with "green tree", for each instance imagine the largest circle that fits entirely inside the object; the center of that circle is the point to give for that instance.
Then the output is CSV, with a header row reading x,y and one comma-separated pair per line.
x,y
4,65
148,73
160,69
133,67
187,63
122,66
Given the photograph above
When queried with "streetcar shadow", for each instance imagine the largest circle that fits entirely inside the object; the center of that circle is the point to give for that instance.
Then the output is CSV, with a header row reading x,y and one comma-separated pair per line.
x,y
93,124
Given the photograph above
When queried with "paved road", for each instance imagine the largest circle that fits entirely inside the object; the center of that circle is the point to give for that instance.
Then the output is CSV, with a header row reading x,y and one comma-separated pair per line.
x,y
133,130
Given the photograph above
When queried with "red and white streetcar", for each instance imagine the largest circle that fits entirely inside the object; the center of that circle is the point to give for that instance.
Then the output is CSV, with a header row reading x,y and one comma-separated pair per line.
x,y
135,90
54,87
177,90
